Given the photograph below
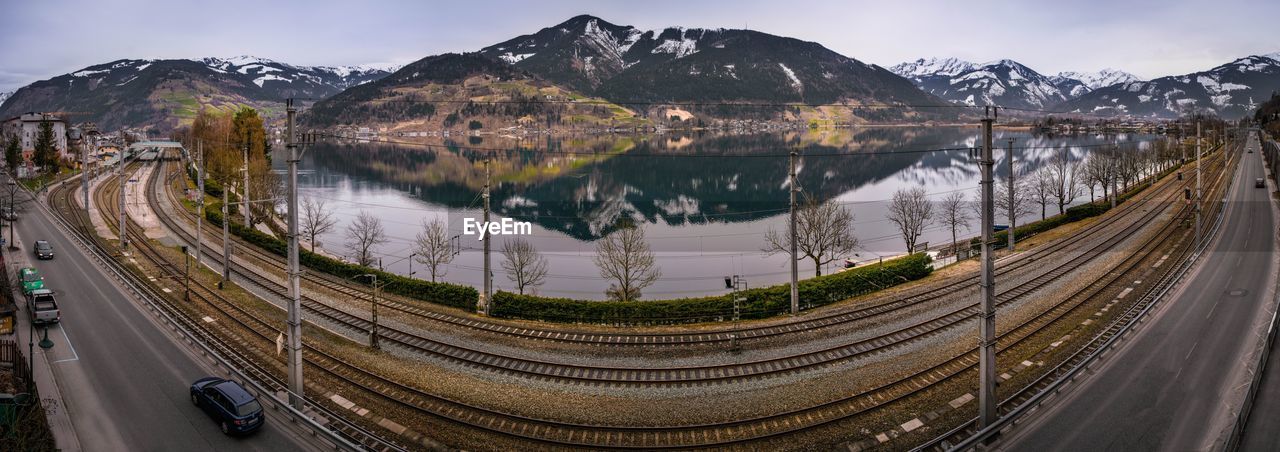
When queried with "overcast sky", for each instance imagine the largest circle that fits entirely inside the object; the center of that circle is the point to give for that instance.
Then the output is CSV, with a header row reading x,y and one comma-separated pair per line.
x,y
43,39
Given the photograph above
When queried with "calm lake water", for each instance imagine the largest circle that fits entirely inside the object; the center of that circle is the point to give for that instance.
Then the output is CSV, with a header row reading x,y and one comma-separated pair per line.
x,y
705,201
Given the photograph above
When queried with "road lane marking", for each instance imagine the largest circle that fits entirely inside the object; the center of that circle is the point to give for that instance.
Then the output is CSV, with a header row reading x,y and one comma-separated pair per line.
x,y
75,356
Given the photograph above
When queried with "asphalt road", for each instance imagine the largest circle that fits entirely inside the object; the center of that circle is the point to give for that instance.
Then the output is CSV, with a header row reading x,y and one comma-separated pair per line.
x,y
1171,386
124,378
1262,432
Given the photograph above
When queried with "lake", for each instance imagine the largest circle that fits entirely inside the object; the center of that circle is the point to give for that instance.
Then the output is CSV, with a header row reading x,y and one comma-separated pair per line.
x,y
704,200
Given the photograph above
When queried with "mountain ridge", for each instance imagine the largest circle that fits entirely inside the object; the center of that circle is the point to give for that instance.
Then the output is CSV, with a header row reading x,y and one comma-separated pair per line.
x,y
1231,90
164,93
624,63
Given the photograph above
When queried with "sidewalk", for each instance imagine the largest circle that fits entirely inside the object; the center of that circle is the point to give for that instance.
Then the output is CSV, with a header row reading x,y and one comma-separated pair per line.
x,y
64,432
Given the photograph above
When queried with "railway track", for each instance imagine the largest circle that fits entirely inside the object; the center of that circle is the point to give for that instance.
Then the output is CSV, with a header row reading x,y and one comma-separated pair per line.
x,y
1101,339
681,375
738,433
249,364
1023,262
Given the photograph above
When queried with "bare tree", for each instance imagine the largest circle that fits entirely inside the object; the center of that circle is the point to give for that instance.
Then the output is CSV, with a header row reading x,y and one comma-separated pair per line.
x,y
524,265
824,233
1041,189
1065,174
1129,166
625,258
316,219
363,234
432,249
954,214
1021,199
266,187
1096,171
910,210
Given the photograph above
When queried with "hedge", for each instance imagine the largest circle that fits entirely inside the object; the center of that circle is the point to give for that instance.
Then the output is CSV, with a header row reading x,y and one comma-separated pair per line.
x,y
454,295
760,303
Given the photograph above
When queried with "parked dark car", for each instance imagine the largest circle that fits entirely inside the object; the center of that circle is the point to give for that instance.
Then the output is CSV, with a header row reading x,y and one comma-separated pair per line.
x,y
44,250
9,215
229,404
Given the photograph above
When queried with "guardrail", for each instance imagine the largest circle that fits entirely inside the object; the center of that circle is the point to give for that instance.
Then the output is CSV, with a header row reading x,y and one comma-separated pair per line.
x,y
1269,148
1158,291
235,366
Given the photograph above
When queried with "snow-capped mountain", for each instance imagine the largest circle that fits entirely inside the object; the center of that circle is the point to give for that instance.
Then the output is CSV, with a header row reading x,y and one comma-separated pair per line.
x,y
1102,78
1004,82
164,93
1231,90
322,81
624,64
924,67
1076,84
5,96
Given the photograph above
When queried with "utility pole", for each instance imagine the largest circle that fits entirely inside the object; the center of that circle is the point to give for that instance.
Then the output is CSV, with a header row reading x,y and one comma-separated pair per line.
x,y
488,282
1013,220
1199,163
200,203
186,275
295,286
248,208
124,238
373,330
226,237
84,169
795,265
987,328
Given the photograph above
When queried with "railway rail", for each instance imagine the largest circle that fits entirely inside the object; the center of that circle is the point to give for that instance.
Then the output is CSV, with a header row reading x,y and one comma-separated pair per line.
x,y
1117,233
448,317
737,433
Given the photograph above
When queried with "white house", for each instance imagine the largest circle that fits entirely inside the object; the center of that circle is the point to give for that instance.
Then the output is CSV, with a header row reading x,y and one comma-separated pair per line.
x,y
27,128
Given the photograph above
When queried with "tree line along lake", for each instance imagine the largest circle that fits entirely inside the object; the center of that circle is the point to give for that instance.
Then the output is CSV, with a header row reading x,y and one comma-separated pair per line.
x,y
704,200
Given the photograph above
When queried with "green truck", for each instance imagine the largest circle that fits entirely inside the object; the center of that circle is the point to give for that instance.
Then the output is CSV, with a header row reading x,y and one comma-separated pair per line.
x,y
31,279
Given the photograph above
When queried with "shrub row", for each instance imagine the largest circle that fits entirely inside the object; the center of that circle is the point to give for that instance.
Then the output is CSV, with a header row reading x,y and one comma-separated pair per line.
x,y
454,295
760,303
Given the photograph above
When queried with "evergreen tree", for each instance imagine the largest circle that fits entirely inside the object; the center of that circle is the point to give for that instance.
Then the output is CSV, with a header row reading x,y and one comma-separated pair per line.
x,y
46,155
13,153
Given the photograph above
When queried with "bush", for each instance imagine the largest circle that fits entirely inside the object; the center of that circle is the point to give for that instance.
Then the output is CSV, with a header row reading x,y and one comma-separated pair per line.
x,y
760,303
454,295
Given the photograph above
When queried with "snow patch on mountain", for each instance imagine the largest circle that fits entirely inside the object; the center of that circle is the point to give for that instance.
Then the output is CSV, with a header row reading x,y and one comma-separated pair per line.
x,y
513,59
795,82
681,48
